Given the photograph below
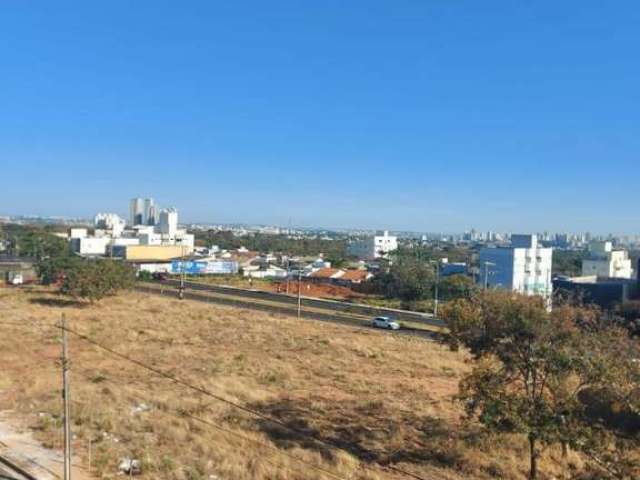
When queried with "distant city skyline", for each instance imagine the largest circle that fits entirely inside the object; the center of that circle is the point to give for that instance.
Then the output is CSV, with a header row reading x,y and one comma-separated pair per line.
x,y
413,116
239,224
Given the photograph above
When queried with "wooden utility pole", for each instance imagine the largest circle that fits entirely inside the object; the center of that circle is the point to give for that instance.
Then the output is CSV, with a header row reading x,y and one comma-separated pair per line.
x,y
435,300
66,402
299,291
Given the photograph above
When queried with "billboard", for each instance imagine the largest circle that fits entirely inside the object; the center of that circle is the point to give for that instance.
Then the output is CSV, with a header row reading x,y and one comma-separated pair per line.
x,y
204,267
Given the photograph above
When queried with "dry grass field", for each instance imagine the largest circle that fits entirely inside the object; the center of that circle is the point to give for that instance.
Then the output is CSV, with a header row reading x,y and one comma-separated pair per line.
x,y
386,400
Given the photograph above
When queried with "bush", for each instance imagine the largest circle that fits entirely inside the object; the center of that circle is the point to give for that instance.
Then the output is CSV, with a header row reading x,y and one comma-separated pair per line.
x,y
145,276
95,279
53,269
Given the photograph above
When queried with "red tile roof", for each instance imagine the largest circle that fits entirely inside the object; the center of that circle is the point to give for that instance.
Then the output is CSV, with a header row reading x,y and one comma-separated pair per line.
x,y
325,273
355,275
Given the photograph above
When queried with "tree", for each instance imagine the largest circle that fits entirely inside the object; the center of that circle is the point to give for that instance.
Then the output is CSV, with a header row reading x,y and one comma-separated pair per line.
x,y
407,280
93,280
53,269
568,262
609,422
533,369
457,286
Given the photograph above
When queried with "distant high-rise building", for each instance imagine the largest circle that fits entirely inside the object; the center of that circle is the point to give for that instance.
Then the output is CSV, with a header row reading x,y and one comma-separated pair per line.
x,y
143,212
149,216
523,267
153,215
136,211
168,224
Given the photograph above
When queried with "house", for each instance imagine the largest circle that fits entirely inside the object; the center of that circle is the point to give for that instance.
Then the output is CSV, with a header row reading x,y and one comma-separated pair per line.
x,y
264,271
340,276
326,274
355,277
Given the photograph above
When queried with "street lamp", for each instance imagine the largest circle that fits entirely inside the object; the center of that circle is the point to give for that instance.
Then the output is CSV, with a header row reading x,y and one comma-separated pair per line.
x,y
182,273
486,273
435,299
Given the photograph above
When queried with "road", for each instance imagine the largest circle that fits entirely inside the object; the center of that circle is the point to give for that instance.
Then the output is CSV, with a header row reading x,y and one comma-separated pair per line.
x,y
329,311
9,471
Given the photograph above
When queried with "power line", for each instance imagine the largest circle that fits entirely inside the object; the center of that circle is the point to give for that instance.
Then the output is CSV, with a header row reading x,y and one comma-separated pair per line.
x,y
27,324
226,401
181,413
211,394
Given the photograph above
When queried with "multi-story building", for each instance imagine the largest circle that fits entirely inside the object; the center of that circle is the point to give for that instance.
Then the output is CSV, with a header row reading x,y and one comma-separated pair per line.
x,y
523,267
111,222
150,211
168,224
373,247
147,230
136,212
605,262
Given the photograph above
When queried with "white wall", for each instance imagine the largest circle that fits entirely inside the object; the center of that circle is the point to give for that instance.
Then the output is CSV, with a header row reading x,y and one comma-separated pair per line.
x,y
607,263
373,247
78,233
90,245
523,270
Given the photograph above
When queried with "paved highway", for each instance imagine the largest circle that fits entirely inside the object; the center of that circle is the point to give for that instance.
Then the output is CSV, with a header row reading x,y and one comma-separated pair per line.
x,y
325,311
325,304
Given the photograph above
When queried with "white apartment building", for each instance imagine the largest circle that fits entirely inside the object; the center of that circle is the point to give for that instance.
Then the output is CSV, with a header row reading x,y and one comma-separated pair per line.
x,y
111,222
373,247
605,262
523,267
168,224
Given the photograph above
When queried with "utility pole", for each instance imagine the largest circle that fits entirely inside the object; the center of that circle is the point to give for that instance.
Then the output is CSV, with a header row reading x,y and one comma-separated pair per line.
x,y
435,300
182,274
299,291
486,274
66,402
288,271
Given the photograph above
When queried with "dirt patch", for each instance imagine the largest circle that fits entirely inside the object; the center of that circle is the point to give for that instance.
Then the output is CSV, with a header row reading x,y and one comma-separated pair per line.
x,y
317,290
20,447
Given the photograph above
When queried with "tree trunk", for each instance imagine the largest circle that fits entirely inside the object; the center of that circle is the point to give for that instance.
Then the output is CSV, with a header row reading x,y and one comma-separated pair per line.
x,y
533,457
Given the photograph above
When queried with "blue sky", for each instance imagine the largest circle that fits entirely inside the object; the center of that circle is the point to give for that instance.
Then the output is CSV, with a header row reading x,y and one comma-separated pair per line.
x,y
422,115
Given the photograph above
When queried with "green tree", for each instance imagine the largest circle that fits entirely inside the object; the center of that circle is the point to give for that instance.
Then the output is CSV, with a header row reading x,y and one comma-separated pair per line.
x,y
607,426
533,369
568,262
53,269
93,280
407,280
457,286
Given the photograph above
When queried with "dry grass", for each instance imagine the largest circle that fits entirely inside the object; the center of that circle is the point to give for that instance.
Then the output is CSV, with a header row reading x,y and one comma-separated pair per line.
x,y
386,399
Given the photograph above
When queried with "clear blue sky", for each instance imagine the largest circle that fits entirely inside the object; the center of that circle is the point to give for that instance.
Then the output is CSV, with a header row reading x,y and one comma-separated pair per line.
x,y
426,115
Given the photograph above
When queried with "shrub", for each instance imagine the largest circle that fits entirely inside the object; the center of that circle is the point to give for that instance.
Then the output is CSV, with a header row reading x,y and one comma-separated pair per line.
x,y
93,280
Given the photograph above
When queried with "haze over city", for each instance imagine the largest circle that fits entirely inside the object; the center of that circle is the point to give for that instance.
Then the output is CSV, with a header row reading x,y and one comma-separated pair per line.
x,y
424,116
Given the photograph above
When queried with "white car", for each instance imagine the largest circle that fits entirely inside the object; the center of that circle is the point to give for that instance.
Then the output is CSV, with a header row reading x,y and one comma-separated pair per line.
x,y
385,322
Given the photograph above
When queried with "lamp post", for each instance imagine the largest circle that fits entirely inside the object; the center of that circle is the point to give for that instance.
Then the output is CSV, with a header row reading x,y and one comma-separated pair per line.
x,y
486,273
437,286
182,274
